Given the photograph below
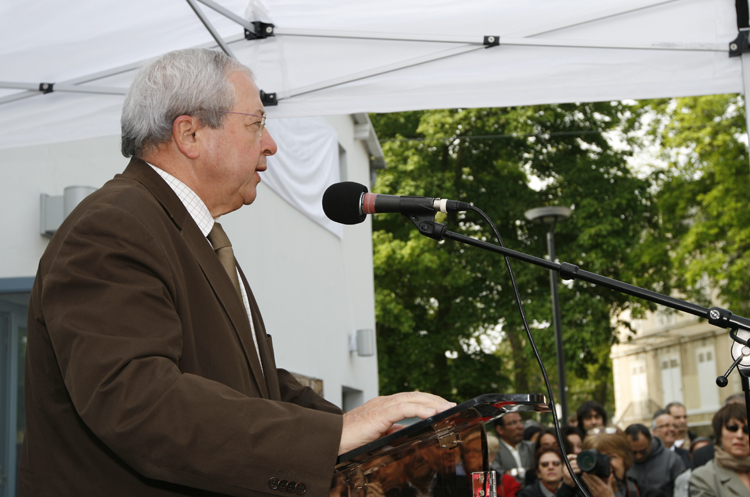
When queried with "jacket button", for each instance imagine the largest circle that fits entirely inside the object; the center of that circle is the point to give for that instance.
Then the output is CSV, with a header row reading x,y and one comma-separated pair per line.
x,y
273,483
282,485
290,486
300,489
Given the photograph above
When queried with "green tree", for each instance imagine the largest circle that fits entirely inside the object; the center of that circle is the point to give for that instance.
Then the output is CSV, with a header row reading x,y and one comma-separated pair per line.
x,y
703,233
437,303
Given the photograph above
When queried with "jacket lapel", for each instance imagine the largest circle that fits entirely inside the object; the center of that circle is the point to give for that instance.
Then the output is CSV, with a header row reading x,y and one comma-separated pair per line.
x,y
207,259
506,458
729,479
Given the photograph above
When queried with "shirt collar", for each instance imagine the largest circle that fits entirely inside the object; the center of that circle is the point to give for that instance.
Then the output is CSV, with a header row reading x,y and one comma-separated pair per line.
x,y
192,202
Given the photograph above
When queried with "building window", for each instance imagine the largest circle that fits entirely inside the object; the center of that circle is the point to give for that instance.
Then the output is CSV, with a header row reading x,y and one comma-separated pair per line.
x,y
14,306
671,378
639,381
707,376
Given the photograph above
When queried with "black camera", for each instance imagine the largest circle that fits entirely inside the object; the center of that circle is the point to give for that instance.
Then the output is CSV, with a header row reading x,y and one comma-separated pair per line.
x,y
594,462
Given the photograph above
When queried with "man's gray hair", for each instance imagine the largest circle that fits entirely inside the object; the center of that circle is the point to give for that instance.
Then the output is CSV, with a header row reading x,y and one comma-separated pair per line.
x,y
660,412
674,404
189,82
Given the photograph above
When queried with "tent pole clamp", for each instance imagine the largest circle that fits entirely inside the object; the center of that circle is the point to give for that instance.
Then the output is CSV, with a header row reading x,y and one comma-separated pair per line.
x,y
491,41
740,45
268,98
262,30
46,87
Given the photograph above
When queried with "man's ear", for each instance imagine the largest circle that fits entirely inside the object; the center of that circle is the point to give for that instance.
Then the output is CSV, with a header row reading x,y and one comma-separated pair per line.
x,y
184,129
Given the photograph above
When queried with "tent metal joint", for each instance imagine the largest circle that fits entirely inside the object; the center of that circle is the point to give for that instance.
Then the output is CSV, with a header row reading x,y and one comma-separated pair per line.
x,y
268,98
261,31
740,44
491,41
46,87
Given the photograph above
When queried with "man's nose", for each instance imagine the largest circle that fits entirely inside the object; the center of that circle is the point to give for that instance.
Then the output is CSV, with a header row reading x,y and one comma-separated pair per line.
x,y
267,143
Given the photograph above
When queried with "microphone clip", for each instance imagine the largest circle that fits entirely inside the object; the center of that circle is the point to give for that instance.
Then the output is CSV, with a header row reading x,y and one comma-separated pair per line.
x,y
427,226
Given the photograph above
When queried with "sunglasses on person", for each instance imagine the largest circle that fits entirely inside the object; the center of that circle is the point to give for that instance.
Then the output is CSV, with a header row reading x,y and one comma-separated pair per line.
x,y
547,463
734,428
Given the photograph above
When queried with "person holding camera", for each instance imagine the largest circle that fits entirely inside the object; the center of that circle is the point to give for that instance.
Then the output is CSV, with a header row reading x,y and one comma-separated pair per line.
x,y
548,465
602,466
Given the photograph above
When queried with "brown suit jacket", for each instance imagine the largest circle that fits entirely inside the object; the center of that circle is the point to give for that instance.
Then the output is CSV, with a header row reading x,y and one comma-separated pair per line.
x,y
142,378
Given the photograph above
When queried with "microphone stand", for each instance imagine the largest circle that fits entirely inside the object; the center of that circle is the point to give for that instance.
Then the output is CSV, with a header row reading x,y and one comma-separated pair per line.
x,y
739,327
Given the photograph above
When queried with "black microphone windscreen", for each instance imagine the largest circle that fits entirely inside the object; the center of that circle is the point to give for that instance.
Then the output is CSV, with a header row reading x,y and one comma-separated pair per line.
x,y
341,202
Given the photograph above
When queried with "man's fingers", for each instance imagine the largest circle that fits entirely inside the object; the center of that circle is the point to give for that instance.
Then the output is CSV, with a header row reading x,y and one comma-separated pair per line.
x,y
394,429
376,417
421,398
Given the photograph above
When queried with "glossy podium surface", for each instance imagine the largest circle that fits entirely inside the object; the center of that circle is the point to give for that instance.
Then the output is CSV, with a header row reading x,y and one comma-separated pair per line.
x,y
442,456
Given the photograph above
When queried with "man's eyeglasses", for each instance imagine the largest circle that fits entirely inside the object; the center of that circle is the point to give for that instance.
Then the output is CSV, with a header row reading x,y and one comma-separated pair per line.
x,y
262,119
665,426
547,463
734,428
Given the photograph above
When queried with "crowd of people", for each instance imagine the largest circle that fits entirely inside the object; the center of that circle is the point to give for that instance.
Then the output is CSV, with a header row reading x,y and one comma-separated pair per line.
x,y
664,459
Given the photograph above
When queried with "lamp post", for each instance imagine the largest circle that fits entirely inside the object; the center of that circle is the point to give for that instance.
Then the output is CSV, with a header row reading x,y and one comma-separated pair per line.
x,y
549,217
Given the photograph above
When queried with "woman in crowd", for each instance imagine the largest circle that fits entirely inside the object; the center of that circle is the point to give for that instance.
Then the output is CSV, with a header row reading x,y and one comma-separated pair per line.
x,y
531,432
548,464
546,438
727,473
572,440
698,443
614,444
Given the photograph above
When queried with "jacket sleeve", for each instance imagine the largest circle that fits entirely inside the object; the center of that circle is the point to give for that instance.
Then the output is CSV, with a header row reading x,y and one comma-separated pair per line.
x,y
677,467
566,490
110,307
294,392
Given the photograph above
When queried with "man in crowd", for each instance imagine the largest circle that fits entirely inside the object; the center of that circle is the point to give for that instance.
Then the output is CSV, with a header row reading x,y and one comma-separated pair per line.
x,y
149,371
590,415
654,466
663,427
683,438
515,455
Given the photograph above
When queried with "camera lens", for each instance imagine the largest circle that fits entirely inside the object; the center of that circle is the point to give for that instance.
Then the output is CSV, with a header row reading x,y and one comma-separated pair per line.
x,y
586,461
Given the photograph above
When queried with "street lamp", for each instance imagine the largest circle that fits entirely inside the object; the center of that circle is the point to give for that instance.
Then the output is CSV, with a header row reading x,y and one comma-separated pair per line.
x,y
550,216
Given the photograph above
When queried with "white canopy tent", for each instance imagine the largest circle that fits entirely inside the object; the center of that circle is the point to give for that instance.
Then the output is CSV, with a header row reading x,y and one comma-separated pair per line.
x,y
65,66
338,57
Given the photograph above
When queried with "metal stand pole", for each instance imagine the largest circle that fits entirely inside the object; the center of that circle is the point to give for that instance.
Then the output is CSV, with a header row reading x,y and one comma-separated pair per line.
x,y
557,320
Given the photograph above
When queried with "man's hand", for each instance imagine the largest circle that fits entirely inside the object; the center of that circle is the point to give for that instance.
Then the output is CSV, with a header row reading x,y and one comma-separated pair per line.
x,y
376,418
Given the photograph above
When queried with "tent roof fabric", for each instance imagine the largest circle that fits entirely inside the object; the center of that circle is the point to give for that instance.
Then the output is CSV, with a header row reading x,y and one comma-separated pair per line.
x,y
340,57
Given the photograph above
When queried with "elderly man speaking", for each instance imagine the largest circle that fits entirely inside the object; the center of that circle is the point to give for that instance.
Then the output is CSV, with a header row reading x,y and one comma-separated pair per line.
x,y
149,371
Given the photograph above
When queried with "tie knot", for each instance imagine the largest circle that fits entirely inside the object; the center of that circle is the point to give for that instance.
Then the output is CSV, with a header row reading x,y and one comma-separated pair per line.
x,y
218,238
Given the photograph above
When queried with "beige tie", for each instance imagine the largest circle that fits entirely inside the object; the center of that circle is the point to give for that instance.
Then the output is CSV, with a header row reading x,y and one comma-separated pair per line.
x,y
223,248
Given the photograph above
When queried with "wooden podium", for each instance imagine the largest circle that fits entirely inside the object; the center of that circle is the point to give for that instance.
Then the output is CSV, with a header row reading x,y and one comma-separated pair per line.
x,y
442,456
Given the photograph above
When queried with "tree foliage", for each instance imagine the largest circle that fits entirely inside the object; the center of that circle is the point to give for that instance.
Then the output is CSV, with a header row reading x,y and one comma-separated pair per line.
x,y
447,320
704,220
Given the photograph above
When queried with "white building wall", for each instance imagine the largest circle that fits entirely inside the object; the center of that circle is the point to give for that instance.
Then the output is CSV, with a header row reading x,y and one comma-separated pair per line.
x,y
312,287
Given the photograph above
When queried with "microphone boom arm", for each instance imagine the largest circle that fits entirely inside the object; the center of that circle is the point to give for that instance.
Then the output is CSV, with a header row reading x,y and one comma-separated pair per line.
x,y
716,316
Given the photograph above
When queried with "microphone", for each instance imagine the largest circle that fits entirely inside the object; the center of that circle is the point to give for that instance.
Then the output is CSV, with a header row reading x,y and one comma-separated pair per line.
x,y
349,203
